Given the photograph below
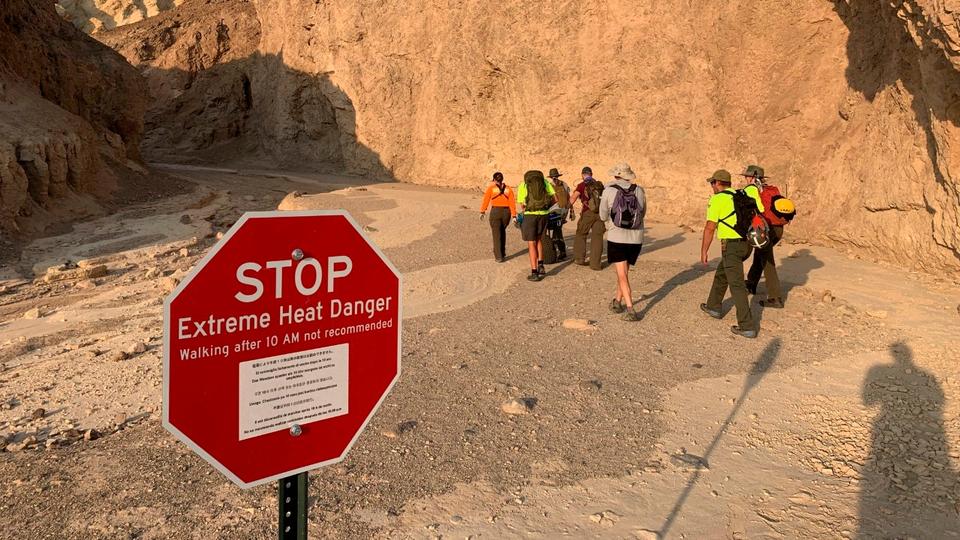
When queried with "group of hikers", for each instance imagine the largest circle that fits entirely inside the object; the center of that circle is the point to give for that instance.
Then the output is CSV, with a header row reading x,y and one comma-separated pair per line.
x,y
746,221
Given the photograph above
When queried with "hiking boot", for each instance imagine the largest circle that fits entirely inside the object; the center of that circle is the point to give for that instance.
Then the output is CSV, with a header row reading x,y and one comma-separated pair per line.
x,y
562,257
617,306
710,312
745,333
533,276
631,316
751,287
541,270
580,263
596,268
772,303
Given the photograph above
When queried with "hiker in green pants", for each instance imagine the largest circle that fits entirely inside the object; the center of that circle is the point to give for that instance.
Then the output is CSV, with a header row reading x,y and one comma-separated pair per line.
x,y
721,220
588,194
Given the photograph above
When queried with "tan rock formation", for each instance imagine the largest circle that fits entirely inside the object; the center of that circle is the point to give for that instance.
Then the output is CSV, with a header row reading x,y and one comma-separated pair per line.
x,y
851,106
70,117
95,15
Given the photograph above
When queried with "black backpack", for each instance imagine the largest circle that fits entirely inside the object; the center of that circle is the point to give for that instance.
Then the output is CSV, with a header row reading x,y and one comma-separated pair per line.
x,y
745,208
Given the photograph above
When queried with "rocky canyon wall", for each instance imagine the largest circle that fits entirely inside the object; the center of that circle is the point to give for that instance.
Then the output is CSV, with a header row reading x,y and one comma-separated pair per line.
x,y
71,117
850,105
95,15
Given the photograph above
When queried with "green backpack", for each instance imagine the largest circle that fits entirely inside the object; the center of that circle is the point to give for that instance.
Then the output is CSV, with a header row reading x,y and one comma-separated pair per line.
x,y
537,198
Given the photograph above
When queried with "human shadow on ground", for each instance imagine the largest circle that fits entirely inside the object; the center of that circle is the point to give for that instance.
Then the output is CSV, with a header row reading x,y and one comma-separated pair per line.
x,y
661,243
909,488
682,278
758,369
793,270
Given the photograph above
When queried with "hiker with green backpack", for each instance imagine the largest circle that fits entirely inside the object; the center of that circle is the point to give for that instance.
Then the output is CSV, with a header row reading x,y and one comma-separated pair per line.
x,y
732,215
588,193
535,196
622,209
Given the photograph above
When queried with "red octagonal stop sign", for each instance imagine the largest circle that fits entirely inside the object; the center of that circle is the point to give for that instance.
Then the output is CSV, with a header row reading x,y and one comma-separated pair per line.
x,y
280,345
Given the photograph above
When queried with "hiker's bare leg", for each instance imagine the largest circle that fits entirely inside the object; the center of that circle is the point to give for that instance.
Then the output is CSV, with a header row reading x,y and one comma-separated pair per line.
x,y
532,250
623,281
539,250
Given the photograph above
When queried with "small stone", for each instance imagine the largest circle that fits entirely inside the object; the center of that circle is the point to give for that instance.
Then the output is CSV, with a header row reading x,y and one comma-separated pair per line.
x,y
152,273
646,534
32,314
593,385
169,283
184,252
518,406
117,356
456,520
596,518
137,348
219,235
579,324
37,414
368,228
828,297
119,418
185,219
91,435
50,443
877,314
94,272
249,198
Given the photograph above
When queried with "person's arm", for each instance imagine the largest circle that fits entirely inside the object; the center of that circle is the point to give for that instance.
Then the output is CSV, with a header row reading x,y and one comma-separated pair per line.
x,y
552,192
709,229
605,204
755,194
522,197
486,201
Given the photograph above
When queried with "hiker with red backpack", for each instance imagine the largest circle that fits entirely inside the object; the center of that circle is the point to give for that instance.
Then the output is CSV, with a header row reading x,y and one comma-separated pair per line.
x,y
734,216
503,209
622,209
778,211
588,193
535,196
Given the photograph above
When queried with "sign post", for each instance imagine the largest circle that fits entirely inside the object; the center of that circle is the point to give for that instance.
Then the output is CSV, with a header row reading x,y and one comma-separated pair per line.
x,y
279,346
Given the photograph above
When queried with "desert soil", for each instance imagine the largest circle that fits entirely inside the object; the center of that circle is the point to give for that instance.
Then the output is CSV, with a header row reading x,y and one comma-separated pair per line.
x,y
841,421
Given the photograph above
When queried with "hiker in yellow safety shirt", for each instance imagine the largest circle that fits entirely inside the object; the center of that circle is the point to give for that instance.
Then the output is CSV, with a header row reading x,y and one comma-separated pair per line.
x,y
721,221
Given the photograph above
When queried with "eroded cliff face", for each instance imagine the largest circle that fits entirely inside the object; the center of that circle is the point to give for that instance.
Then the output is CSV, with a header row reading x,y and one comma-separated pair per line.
x,y
71,115
851,106
95,15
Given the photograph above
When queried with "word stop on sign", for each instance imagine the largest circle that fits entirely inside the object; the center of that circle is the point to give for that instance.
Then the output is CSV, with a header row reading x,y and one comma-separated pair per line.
x,y
308,276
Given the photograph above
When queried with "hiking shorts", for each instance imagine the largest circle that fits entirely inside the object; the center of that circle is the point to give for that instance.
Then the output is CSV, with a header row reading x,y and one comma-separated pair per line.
x,y
617,252
533,227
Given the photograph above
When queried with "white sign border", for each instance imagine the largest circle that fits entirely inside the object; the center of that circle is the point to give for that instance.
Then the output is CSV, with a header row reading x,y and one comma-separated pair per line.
x,y
247,216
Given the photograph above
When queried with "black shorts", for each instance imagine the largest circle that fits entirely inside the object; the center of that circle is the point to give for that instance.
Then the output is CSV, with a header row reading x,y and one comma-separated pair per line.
x,y
617,252
533,227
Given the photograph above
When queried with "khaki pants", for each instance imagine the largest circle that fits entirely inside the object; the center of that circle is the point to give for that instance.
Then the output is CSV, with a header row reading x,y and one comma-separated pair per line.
x,y
591,225
730,274
764,263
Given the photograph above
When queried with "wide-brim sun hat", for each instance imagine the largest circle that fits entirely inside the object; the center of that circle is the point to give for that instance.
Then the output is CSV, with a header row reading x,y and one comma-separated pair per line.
x,y
753,171
554,173
622,170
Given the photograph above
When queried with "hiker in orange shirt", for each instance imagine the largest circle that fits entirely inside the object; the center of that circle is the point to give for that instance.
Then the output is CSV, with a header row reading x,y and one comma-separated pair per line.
x,y
502,202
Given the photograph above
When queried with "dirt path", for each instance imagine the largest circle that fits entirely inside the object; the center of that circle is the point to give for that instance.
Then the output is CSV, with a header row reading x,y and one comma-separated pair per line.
x,y
839,422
